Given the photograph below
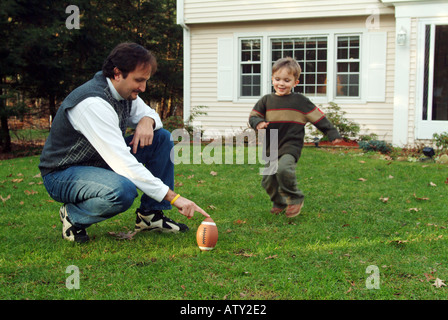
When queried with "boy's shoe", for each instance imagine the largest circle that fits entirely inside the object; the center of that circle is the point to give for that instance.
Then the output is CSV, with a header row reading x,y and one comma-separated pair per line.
x,y
69,231
277,210
155,220
293,210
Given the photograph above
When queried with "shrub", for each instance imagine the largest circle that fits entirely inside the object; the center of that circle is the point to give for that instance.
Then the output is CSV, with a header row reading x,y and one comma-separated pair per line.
x,y
375,145
173,122
176,122
347,128
441,141
368,137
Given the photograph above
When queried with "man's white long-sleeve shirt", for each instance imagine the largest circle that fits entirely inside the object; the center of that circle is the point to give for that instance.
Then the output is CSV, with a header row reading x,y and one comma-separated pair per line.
x,y
98,122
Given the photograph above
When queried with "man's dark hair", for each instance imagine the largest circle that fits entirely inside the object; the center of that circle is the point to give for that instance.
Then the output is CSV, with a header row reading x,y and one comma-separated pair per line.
x,y
126,57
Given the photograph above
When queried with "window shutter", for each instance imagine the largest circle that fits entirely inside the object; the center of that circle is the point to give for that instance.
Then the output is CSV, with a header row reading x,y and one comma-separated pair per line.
x,y
225,69
376,46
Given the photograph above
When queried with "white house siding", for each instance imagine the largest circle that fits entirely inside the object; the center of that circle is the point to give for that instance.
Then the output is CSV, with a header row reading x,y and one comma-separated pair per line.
x,y
215,11
373,117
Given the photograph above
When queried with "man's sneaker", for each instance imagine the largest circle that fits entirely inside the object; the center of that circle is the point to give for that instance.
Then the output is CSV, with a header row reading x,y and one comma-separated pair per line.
x,y
155,220
69,231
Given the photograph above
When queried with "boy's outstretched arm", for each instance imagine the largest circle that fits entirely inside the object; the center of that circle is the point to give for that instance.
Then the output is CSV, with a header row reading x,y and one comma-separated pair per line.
x,y
335,141
262,125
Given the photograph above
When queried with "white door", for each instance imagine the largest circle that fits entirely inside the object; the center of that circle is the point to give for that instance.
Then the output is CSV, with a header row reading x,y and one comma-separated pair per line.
x,y
432,102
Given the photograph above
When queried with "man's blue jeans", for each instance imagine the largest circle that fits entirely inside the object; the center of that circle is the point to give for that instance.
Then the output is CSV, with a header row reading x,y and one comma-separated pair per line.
x,y
93,194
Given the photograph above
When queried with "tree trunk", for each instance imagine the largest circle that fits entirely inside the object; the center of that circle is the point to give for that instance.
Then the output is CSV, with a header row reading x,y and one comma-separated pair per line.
x,y
4,134
52,105
5,137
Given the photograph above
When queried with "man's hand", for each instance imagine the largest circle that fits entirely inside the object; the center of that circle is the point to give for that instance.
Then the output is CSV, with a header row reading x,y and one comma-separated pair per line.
x,y
144,133
185,206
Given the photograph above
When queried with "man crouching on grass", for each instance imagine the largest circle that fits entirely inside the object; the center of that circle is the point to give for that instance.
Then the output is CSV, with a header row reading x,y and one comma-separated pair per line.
x,y
87,163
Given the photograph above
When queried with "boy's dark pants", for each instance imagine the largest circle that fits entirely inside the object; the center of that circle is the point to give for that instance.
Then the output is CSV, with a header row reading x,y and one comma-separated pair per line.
x,y
282,186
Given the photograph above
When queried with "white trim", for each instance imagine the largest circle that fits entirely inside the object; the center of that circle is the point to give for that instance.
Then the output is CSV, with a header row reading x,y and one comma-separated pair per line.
x,y
424,129
237,63
187,74
401,87
225,69
186,61
421,9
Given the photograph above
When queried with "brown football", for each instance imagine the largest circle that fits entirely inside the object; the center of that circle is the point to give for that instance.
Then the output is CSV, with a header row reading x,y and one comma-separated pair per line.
x,y
207,235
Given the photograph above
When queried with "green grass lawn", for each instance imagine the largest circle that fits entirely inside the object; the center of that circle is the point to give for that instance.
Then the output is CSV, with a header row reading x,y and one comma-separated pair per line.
x,y
323,253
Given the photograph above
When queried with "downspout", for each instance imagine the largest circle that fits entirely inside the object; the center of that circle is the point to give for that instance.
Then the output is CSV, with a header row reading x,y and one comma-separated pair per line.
x,y
186,60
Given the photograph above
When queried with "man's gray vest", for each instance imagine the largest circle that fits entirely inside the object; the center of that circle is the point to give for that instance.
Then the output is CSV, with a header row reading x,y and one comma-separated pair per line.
x,y
65,147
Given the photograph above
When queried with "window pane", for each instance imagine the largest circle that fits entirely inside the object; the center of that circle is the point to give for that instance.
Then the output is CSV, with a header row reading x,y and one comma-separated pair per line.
x,y
354,53
440,75
246,91
311,54
245,56
322,44
343,67
322,54
276,55
245,45
287,45
354,41
287,53
426,73
311,44
322,66
246,68
353,91
310,90
276,45
250,70
343,79
246,80
354,79
250,50
343,42
354,67
321,78
347,66
310,79
299,55
342,53
310,67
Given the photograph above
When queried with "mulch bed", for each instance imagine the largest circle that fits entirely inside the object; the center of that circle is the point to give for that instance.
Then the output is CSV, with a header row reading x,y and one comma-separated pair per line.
x,y
350,144
23,149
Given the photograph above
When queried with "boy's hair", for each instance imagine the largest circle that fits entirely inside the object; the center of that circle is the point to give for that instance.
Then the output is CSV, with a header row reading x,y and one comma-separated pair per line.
x,y
289,63
126,57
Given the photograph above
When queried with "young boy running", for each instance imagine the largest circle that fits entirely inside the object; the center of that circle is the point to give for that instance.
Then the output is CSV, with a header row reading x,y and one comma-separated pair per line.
x,y
288,112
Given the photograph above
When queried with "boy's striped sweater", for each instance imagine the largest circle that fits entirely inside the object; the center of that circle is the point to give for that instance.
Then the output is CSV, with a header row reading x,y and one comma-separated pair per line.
x,y
289,114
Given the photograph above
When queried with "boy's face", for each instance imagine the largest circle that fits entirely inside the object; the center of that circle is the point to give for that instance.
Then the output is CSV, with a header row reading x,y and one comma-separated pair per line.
x,y
283,81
